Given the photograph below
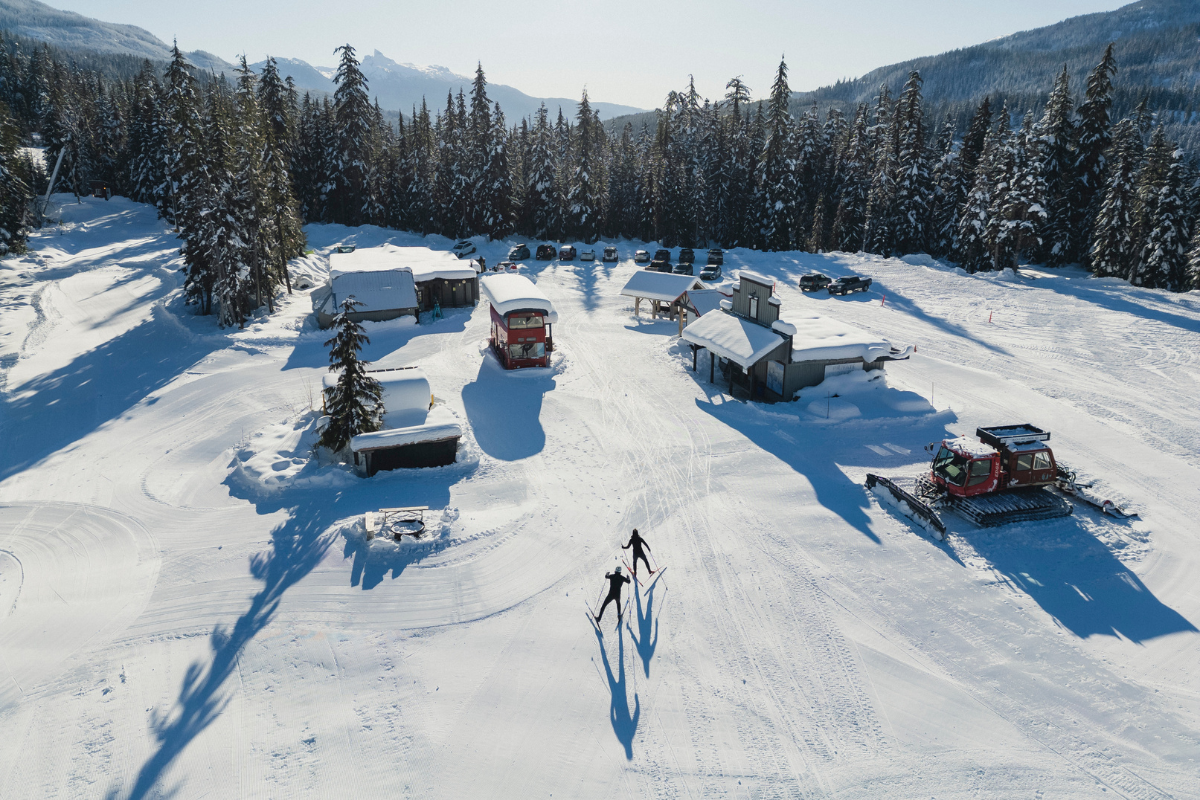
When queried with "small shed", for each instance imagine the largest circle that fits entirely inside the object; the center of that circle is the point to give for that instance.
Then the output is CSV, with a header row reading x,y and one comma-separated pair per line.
x,y
522,317
416,432
664,291
384,294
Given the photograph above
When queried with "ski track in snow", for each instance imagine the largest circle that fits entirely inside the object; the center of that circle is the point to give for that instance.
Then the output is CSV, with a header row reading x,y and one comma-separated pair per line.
x,y
171,625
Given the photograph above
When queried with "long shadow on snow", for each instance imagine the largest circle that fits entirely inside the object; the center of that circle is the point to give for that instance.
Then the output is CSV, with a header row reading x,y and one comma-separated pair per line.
x,y
1114,299
504,407
1077,580
624,724
55,410
646,640
297,546
311,351
815,451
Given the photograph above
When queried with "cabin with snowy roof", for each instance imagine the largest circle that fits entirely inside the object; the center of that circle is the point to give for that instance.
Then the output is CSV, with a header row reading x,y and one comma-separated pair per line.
x,y
392,282
771,358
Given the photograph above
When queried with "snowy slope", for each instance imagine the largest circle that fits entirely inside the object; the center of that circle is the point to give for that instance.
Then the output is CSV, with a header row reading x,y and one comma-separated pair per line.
x,y
188,606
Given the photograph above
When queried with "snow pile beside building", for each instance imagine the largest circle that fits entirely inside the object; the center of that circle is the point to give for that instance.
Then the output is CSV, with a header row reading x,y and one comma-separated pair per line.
x,y
283,456
821,338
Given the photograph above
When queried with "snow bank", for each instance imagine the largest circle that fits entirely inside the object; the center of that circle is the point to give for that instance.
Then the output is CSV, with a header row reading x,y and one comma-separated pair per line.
x,y
819,338
406,394
441,423
284,455
509,293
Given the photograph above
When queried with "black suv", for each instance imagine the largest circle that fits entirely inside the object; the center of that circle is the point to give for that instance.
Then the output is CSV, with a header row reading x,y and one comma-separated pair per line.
x,y
716,256
546,252
814,282
683,269
659,265
610,255
687,255
519,252
850,283
710,272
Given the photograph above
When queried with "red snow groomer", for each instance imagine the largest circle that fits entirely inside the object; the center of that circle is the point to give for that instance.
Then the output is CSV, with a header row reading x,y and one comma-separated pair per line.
x,y
1006,476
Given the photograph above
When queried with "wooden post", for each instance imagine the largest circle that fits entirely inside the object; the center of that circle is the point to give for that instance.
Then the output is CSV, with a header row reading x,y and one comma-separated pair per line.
x,y
712,365
637,306
731,380
693,358
682,317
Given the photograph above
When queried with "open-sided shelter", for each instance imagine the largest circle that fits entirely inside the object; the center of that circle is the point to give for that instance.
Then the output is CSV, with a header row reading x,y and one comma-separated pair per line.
x,y
664,291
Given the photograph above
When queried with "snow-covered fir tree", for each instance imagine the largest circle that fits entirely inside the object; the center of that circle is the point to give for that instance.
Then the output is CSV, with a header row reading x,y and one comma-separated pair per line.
x,y
1017,214
911,202
1094,136
355,403
15,193
1163,261
583,207
1055,135
351,163
1113,247
776,170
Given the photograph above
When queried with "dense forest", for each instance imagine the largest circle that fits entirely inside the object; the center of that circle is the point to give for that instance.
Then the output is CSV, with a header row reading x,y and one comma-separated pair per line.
x,y
239,165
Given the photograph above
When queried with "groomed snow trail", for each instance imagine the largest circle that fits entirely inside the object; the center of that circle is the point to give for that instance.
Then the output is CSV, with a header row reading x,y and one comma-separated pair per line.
x,y
188,608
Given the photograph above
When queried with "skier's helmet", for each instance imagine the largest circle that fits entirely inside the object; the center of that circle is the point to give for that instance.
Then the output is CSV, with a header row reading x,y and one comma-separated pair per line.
x,y
618,569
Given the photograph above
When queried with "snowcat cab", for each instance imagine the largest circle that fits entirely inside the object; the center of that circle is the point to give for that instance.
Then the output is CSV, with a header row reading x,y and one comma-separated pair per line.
x,y
965,468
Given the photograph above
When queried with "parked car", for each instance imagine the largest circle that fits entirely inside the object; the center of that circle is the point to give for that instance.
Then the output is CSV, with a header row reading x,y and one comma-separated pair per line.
x,y
660,264
712,272
683,269
503,266
566,253
850,283
716,256
463,248
546,252
641,257
519,252
587,255
610,255
687,255
662,255
814,282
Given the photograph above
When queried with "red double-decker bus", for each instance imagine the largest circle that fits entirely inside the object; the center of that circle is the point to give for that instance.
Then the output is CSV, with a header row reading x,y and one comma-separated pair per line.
x,y
521,321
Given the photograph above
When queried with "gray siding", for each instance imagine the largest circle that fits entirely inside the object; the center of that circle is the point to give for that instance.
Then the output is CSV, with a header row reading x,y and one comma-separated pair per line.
x,y
767,313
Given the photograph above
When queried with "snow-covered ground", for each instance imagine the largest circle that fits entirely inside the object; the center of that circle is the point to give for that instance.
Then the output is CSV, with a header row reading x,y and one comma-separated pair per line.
x,y
188,606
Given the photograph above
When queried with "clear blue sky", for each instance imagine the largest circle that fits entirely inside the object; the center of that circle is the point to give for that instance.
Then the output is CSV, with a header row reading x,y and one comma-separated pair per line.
x,y
624,51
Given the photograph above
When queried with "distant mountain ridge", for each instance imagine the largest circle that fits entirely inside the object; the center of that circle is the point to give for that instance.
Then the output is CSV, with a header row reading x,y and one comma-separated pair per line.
x,y
398,86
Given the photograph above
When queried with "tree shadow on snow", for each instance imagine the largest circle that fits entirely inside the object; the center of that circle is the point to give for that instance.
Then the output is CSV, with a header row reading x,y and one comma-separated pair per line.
x,y
297,546
504,407
1077,579
624,723
53,411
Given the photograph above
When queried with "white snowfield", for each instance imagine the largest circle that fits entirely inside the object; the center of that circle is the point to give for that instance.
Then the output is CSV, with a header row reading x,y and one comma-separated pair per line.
x,y
508,293
189,607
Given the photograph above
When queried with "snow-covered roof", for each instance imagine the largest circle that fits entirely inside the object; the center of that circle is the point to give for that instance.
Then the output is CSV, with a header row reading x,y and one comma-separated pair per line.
x,y
381,290
972,448
508,293
406,394
733,337
425,264
664,286
818,338
756,277
706,300
441,424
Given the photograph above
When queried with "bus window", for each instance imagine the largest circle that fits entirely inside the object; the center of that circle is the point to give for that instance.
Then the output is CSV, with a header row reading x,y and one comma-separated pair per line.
x,y
527,350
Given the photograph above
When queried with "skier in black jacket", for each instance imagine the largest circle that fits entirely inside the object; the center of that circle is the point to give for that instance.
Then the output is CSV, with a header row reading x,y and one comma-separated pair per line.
x,y
615,580
637,543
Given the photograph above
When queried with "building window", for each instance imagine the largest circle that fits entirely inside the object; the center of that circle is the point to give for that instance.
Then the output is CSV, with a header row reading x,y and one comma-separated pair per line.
x,y
754,306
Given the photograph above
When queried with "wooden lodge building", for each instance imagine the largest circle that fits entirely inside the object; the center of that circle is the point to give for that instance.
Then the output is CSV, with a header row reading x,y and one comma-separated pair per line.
x,y
393,282
772,359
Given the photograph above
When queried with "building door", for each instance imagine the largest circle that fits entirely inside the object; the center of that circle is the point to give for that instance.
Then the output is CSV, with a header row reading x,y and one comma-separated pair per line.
x,y
775,377
754,306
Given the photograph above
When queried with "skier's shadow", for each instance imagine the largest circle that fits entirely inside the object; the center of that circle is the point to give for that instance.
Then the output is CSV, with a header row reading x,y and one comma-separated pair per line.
x,y
646,640
624,724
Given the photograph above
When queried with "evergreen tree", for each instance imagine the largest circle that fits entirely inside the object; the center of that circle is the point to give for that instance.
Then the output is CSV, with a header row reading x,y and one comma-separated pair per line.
x,y
15,194
583,208
880,226
355,403
181,154
1094,132
1113,246
853,187
971,246
542,196
911,204
943,213
776,170
351,163
1163,263
1056,153
1191,278
1017,214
